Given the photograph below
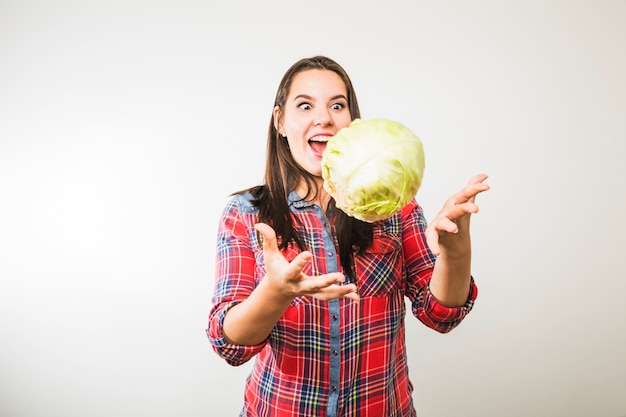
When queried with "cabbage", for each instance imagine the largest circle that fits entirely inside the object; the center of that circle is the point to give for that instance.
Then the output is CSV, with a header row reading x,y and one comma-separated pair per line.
x,y
373,168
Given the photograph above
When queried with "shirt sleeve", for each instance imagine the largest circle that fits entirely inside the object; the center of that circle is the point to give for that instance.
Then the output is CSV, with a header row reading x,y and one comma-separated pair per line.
x,y
234,355
419,264
235,267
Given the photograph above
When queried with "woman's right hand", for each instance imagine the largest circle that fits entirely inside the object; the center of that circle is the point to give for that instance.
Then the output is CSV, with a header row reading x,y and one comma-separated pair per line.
x,y
287,279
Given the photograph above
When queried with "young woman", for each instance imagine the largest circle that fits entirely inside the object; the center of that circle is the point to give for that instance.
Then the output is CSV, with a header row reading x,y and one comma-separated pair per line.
x,y
316,296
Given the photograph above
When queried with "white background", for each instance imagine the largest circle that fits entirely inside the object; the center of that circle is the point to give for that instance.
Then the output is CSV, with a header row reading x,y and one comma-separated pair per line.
x,y
124,125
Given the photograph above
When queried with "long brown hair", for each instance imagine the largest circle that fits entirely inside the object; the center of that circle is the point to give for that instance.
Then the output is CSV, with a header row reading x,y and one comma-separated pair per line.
x,y
283,174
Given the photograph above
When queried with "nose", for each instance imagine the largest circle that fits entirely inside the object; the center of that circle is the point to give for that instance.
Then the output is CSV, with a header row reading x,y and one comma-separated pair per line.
x,y
322,117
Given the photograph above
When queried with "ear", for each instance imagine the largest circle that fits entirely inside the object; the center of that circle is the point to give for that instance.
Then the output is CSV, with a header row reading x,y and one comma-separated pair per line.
x,y
278,124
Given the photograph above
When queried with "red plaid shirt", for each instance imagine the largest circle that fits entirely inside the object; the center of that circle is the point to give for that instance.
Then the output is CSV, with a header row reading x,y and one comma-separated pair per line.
x,y
331,358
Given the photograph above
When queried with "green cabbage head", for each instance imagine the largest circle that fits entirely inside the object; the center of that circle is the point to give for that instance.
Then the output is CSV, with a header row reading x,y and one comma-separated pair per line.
x,y
373,168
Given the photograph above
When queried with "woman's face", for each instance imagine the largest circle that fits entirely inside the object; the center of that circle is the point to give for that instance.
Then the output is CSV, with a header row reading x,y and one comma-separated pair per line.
x,y
315,109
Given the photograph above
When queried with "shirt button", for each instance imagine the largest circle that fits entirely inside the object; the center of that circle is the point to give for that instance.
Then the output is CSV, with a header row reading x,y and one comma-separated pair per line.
x,y
335,353
333,388
335,317
330,254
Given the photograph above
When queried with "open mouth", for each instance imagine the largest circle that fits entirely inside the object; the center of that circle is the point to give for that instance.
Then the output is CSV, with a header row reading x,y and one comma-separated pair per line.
x,y
318,144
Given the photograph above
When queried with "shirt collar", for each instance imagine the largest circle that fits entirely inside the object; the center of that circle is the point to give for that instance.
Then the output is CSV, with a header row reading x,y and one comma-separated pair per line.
x,y
297,202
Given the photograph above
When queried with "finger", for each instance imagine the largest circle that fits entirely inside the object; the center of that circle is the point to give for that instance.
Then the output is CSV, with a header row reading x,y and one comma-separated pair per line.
x,y
468,193
459,210
312,285
295,267
444,224
474,186
478,178
333,292
268,236
354,296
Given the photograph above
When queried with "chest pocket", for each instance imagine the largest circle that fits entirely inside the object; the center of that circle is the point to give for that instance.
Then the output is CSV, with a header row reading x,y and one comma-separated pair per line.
x,y
379,268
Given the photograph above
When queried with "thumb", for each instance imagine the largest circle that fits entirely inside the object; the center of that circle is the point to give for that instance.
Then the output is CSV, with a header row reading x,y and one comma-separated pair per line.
x,y
432,240
267,236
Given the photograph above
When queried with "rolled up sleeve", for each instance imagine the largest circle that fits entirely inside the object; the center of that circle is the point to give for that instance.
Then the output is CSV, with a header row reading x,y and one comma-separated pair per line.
x,y
439,317
234,355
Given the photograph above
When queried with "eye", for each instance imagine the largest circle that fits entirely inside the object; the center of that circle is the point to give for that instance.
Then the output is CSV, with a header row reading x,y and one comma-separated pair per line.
x,y
337,106
304,106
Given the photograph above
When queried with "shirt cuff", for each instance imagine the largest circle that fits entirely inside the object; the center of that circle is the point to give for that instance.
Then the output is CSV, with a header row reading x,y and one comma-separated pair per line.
x,y
233,354
443,314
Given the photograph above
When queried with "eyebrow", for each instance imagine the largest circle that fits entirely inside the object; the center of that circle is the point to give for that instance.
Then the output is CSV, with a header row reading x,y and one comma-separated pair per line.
x,y
307,97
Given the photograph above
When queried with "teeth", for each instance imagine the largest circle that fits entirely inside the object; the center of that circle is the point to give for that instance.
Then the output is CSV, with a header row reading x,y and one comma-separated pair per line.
x,y
320,138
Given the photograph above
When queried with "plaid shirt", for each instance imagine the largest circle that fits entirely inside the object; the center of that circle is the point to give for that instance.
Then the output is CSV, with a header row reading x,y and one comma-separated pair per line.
x,y
331,358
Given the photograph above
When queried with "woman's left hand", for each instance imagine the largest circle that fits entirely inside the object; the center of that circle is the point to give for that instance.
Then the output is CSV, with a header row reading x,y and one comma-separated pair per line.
x,y
449,231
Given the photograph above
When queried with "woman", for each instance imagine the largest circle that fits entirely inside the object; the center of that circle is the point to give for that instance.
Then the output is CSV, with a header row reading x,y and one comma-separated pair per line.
x,y
318,296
